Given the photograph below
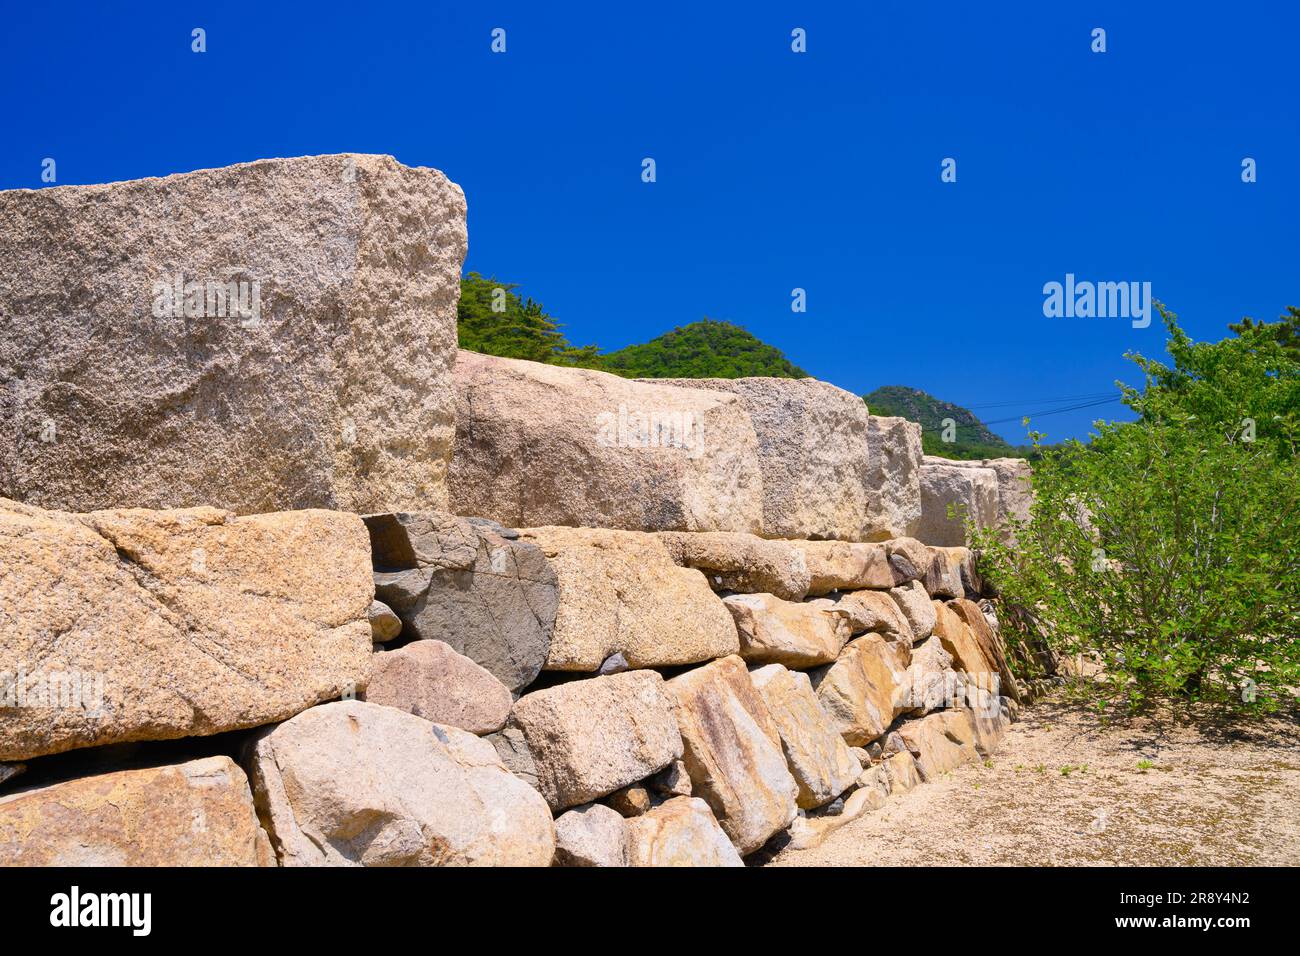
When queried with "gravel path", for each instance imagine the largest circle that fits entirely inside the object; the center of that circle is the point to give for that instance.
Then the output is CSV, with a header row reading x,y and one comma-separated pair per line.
x,y
1066,791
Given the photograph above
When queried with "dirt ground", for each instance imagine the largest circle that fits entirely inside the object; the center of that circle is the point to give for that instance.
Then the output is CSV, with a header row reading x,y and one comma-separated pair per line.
x,y
1064,790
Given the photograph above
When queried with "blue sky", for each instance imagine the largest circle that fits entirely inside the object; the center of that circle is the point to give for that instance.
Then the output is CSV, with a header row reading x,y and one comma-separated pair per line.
x,y
775,170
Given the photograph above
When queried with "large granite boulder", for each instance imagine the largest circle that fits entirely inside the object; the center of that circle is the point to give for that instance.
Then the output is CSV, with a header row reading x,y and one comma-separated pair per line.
x,y
148,625
743,562
845,565
793,633
548,445
590,737
733,753
813,453
471,584
970,493
894,478
621,593
822,764
941,742
991,645
865,689
198,813
679,832
1015,488
430,680
357,784
248,338
869,612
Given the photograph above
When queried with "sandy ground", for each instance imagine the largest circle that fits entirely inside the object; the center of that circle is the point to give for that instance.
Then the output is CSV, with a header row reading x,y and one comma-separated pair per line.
x,y
1066,791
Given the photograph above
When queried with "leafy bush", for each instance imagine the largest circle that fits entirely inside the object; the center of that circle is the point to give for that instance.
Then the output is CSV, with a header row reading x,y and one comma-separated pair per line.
x,y
1168,549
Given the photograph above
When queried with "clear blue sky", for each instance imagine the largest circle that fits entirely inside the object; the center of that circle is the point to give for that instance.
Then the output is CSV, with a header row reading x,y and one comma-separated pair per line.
x,y
775,170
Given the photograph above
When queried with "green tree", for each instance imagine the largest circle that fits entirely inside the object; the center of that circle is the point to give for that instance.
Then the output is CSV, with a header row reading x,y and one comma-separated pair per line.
x,y
1286,331
493,319
1168,550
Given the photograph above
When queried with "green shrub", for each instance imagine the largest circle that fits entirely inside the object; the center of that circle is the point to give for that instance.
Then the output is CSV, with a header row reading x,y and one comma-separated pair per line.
x,y
1168,549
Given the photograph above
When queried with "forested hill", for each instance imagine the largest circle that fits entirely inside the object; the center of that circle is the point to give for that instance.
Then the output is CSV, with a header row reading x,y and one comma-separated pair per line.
x,y
973,437
705,349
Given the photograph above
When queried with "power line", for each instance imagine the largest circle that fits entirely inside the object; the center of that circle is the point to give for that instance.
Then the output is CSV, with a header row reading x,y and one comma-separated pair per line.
x,y
1042,401
1055,411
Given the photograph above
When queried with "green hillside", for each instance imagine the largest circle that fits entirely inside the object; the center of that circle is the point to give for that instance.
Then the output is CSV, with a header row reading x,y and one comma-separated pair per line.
x,y
973,438
705,349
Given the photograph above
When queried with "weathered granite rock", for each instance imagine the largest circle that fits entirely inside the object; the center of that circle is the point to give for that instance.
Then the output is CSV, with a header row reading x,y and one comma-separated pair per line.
x,y
973,493
869,611
901,771
430,680
10,770
742,562
894,477
672,781
590,737
356,784
943,579
845,565
149,625
1015,488
679,832
512,748
989,720
619,591
347,269
875,781
930,682
543,444
471,584
862,691
384,624
198,813
990,645
959,641
821,762
631,801
915,604
909,560
792,633
940,742
733,753
813,453
590,835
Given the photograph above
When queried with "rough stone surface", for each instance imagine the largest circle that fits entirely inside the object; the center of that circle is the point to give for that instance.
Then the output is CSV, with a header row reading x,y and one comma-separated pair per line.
x,y
940,742
471,584
619,591
1015,488
869,611
632,800
930,681
901,771
822,764
990,644
973,492
943,579
909,560
384,624
590,835
10,770
813,453
356,784
198,813
845,565
512,748
792,633
430,680
915,604
894,478
543,444
679,832
742,562
591,737
672,781
862,691
176,623
109,399
959,641
733,753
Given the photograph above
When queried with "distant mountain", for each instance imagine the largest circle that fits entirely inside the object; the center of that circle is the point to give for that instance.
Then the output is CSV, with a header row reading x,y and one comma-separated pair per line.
x,y
705,349
973,437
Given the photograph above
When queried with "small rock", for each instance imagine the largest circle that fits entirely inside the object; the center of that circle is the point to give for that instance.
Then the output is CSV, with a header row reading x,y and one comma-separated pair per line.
x,y
679,832
384,624
430,680
512,748
614,664
631,801
914,601
672,781
590,835
10,770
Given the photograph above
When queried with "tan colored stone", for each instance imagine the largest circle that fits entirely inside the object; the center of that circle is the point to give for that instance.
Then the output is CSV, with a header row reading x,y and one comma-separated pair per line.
x,y
943,577
621,592
590,737
430,680
176,623
990,645
356,784
930,682
822,764
672,781
732,561
862,691
845,565
909,560
813,454
959,641
631,801
894,478
970,493
732,751
901,771
198,813
915,605
792,633
306,402
869,611
384,624
940,742
544,444
590,835
679,832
